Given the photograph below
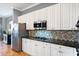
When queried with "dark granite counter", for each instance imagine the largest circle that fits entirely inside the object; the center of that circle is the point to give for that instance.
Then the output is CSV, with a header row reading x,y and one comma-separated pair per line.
x,y
56,41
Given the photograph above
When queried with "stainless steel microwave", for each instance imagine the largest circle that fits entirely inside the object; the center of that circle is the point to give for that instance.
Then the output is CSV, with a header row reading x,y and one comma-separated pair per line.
x,y
40,24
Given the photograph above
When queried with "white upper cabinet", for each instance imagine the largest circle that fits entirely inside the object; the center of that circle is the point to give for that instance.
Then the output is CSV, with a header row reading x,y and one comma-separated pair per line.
x,y
41,14
76,17
53,21
63,16
29,21
69,16
22,19
56,17
66,10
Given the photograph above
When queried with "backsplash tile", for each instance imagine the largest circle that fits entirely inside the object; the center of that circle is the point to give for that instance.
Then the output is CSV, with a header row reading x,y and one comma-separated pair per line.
x,y
32,33
65,35
46,34
69,35
77,36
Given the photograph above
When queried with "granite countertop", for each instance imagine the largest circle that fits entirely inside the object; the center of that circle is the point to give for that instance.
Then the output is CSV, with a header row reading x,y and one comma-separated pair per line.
x,y
56,41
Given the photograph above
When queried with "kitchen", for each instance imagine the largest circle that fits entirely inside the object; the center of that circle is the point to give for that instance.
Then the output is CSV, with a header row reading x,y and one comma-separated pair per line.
x,y
59,36
46,29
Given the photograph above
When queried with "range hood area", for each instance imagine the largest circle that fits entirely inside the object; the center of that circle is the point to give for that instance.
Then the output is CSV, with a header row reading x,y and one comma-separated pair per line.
x,y
77,25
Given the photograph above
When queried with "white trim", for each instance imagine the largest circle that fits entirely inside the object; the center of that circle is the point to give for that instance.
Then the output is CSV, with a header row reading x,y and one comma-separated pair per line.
x,y
15,8
30,6
18,9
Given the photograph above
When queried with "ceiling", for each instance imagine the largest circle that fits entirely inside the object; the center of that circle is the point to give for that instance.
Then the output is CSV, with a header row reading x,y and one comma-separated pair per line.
x,y
6,8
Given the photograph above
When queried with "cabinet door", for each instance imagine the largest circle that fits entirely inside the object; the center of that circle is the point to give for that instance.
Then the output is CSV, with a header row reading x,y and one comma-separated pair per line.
x,y
28,46
27,21
36,15
22,19
74,52
31,20
45,50
38,48
67,51
65,16
69,16
55,50
74,15
44,14
23,44
34,48
50,20
54,17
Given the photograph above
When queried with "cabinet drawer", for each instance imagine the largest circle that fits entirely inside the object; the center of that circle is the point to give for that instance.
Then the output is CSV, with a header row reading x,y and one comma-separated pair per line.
x,y
54,50
45,49
67,51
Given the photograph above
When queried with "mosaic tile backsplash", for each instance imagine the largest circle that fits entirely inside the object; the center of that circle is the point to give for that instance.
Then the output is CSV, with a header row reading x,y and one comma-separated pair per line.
x,y
70,35
46,34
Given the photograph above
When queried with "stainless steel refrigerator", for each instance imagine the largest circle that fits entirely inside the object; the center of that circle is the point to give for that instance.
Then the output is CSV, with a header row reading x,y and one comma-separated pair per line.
x,y
18,31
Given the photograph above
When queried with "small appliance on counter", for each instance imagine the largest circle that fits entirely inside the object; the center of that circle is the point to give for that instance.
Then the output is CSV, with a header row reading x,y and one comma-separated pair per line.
x,y
40,24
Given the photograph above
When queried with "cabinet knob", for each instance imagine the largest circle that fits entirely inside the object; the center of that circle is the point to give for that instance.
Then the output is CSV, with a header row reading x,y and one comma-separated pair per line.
x,y
43,47
36,45
46,44
59,47
60,52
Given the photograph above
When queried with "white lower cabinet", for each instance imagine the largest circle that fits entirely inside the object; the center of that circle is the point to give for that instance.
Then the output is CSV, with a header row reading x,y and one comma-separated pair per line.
x,y
54,50
67,51
59,50
45,51
26,45
23,44
74,52
35,48
38,48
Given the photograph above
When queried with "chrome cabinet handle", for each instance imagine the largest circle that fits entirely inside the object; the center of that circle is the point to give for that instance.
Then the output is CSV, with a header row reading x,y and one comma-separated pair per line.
x,y
60,52
46,44
43,47
36,45
59,47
